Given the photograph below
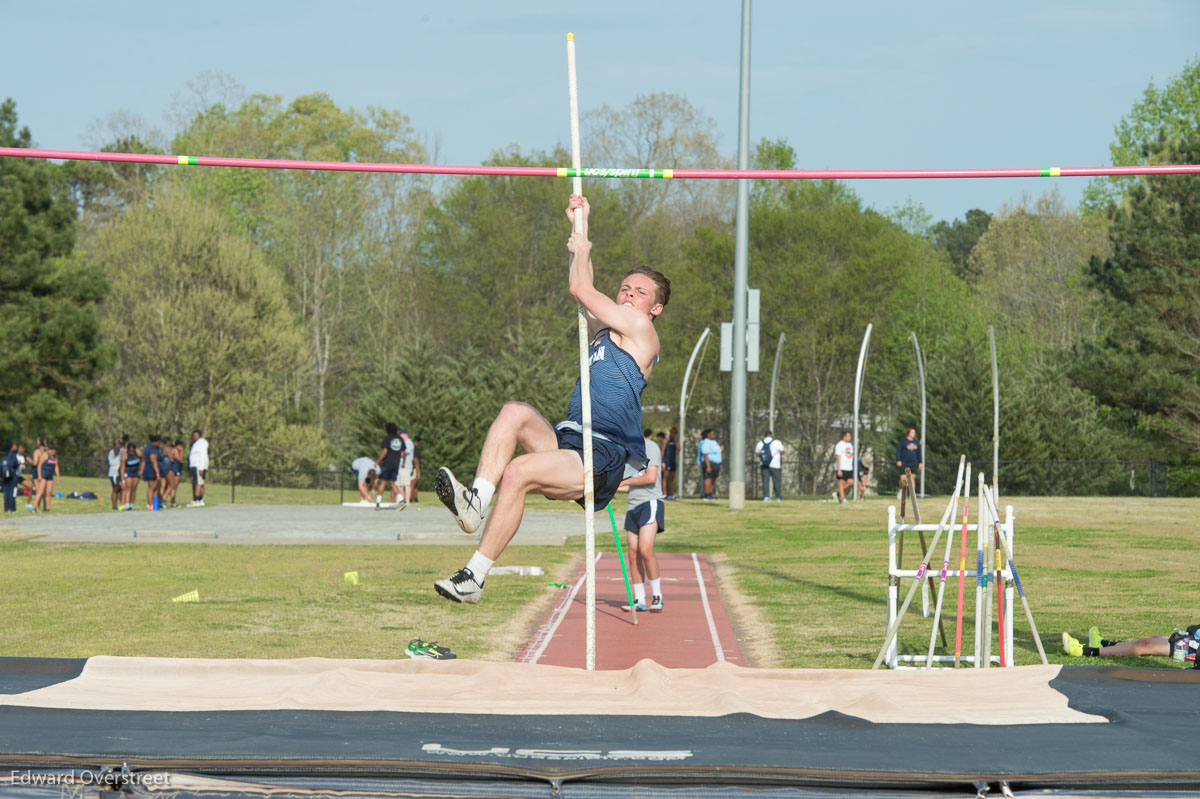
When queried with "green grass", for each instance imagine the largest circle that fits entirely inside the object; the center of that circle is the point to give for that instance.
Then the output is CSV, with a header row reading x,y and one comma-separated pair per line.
x,y
806,582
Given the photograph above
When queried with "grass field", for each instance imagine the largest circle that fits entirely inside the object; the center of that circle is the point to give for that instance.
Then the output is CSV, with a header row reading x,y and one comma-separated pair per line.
x,y
805,581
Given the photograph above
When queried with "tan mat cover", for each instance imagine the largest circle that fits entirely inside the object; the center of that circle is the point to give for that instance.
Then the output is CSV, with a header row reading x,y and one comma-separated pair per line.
x,y
970,696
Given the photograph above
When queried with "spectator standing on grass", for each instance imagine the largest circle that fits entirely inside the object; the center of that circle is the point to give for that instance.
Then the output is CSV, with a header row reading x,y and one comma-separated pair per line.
x,y
843,455
35,472
770,461
174,471
21,462
131,468
708,455
863,471
908,454
8,478
198,468
49,473
364,471
645,518
115,477
404,476
416,480
153,466
391,454
670,462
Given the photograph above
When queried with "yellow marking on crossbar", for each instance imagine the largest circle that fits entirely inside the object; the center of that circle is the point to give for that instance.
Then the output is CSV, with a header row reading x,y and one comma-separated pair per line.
x,y
183,159
562,172
668,173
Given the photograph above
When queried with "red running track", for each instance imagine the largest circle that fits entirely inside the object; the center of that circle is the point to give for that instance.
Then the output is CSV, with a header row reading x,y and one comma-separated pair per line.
x,y
693,631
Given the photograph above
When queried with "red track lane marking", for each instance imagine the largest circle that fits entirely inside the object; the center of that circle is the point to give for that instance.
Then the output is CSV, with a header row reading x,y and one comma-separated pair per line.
x,y
693,631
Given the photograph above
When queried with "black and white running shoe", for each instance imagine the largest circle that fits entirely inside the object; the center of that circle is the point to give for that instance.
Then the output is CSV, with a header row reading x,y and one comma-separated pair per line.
x,y
463,502
461,587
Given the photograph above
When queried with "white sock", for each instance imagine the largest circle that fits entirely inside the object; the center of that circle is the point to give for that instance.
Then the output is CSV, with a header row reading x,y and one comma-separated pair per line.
x,y
485,490
479,566
655,586
639,593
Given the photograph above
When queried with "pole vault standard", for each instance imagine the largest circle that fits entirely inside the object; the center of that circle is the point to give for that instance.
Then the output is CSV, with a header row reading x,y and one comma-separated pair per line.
x,y
585,387
858,378
606,172
680,460
921,376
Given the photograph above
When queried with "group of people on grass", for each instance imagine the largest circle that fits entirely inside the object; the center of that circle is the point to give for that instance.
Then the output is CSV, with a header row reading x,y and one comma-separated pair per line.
x,y
397,469
29,474
159,464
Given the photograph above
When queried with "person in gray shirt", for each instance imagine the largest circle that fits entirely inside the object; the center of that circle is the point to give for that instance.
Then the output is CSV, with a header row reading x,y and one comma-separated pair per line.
x,y
645,519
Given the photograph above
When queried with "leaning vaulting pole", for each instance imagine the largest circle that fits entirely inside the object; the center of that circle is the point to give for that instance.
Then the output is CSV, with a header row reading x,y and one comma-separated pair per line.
x,y
941,592
624,571
921,376
585,387
858,378
995,417
680,460
1012,567
775,382
603,172
895,626
962,572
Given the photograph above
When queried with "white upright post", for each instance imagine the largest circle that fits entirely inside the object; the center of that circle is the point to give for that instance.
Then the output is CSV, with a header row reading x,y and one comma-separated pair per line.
x,y
680,460
585,387
893,588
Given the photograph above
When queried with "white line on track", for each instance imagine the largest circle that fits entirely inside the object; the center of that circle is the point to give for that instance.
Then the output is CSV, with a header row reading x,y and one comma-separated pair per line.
x,y
546,633
712,626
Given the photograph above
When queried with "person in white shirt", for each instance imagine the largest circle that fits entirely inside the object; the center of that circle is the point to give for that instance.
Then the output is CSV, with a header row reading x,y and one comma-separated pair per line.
x,y
645,518
844,455
198,468
364,470
114,470
770,458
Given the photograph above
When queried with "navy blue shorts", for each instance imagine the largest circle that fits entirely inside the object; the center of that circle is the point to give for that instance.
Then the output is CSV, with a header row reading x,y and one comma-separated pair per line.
x,y
639,517
388,474
608,464
148,475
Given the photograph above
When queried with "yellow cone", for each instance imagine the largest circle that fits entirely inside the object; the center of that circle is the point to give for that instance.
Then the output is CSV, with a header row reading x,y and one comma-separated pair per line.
x,y
190,596
351,578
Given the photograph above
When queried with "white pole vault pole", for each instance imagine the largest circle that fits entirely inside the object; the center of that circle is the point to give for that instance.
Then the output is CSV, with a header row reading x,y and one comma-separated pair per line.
x,y
774,383
858,378
995,422
680,460
585,384
921,376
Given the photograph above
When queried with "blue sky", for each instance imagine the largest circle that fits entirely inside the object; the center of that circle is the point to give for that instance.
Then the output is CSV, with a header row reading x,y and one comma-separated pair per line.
x,y
848,85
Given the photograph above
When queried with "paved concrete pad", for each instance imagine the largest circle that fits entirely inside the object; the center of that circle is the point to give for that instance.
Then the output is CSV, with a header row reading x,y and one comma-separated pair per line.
x,y
285,524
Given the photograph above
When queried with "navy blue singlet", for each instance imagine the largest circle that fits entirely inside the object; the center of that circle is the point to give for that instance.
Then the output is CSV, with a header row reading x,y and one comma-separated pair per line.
x,y
616,389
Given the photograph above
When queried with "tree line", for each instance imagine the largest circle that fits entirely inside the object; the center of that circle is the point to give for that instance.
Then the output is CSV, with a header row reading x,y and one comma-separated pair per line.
x,y
289,314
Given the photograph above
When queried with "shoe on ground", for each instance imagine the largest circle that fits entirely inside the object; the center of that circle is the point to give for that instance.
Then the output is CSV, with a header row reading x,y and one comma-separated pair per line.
x,y
640,607
779,499
656,605
460,587
199,503
1071,646
463,502
1095,641
766,499
428,649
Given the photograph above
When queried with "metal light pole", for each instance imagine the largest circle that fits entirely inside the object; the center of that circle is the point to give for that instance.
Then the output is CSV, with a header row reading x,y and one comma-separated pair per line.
x,y
737,411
